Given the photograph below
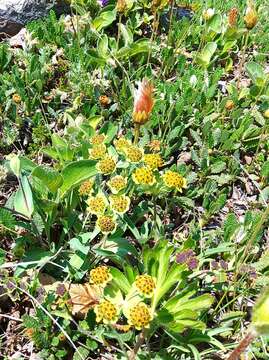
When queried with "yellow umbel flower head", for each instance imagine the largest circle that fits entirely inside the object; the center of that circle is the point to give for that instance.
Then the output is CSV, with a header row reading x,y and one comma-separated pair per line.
x,y
107,165
143,176
134,154
153,161
145,285
97,204
97,139
139,316
120,203
117,183
100,275
106,312
86,187
106,224
174,180
16,98
121,144
97,151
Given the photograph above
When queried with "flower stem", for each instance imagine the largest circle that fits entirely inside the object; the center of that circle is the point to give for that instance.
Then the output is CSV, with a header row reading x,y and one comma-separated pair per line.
x,y
136,133
140,341
242,346
242,62
118,36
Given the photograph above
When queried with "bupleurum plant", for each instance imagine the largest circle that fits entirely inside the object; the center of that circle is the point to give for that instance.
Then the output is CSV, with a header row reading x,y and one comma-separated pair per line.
x,y
130,300
127,170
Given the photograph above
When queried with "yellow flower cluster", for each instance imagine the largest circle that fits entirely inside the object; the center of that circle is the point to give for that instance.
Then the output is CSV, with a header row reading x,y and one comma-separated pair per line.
x,y
117,183
120,203
174,180
143,176
153,161
145,285
106,312
97,139
97,152
86,187
106,224
139,316
100,275
107,165
121,144
97,204
134,154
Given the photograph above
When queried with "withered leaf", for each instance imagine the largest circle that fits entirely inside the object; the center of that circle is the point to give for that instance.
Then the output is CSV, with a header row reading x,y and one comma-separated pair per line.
x,y
84,297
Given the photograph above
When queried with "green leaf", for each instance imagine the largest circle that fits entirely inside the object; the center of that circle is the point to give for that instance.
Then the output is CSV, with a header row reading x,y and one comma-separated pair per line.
x,y
215,23
206,54
49,177
265,169
23,202
81,353
126,34
138,47
256,73
120,280
15,165
103,46
75,173
179,303
218,167
105,19
7,219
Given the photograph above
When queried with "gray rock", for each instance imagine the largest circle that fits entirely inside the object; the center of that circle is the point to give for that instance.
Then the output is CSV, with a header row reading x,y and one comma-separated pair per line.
x,y
14,14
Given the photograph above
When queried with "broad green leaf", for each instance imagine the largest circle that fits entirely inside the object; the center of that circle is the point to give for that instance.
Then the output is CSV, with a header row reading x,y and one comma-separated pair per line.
x,y
215,23
75,173
140,46
103,46
105,19
49,177
15,165
174,276
206,54
23,202
120,280
126,34
257,74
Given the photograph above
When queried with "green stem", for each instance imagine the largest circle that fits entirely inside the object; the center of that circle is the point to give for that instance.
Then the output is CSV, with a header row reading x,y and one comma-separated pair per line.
x,y
118,36
252,239
155,214
136,133
152,36
242,62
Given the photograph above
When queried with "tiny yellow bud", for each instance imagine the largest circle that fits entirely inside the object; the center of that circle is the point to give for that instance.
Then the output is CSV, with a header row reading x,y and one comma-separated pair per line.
x,y
266,114
229,105
16,98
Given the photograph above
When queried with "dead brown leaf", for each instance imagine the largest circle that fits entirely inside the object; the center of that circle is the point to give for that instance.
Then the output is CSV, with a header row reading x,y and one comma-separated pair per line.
x,y
84,297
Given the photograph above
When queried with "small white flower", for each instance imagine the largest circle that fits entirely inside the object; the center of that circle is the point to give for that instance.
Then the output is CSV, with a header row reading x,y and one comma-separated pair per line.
x,y
193,81
208,14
